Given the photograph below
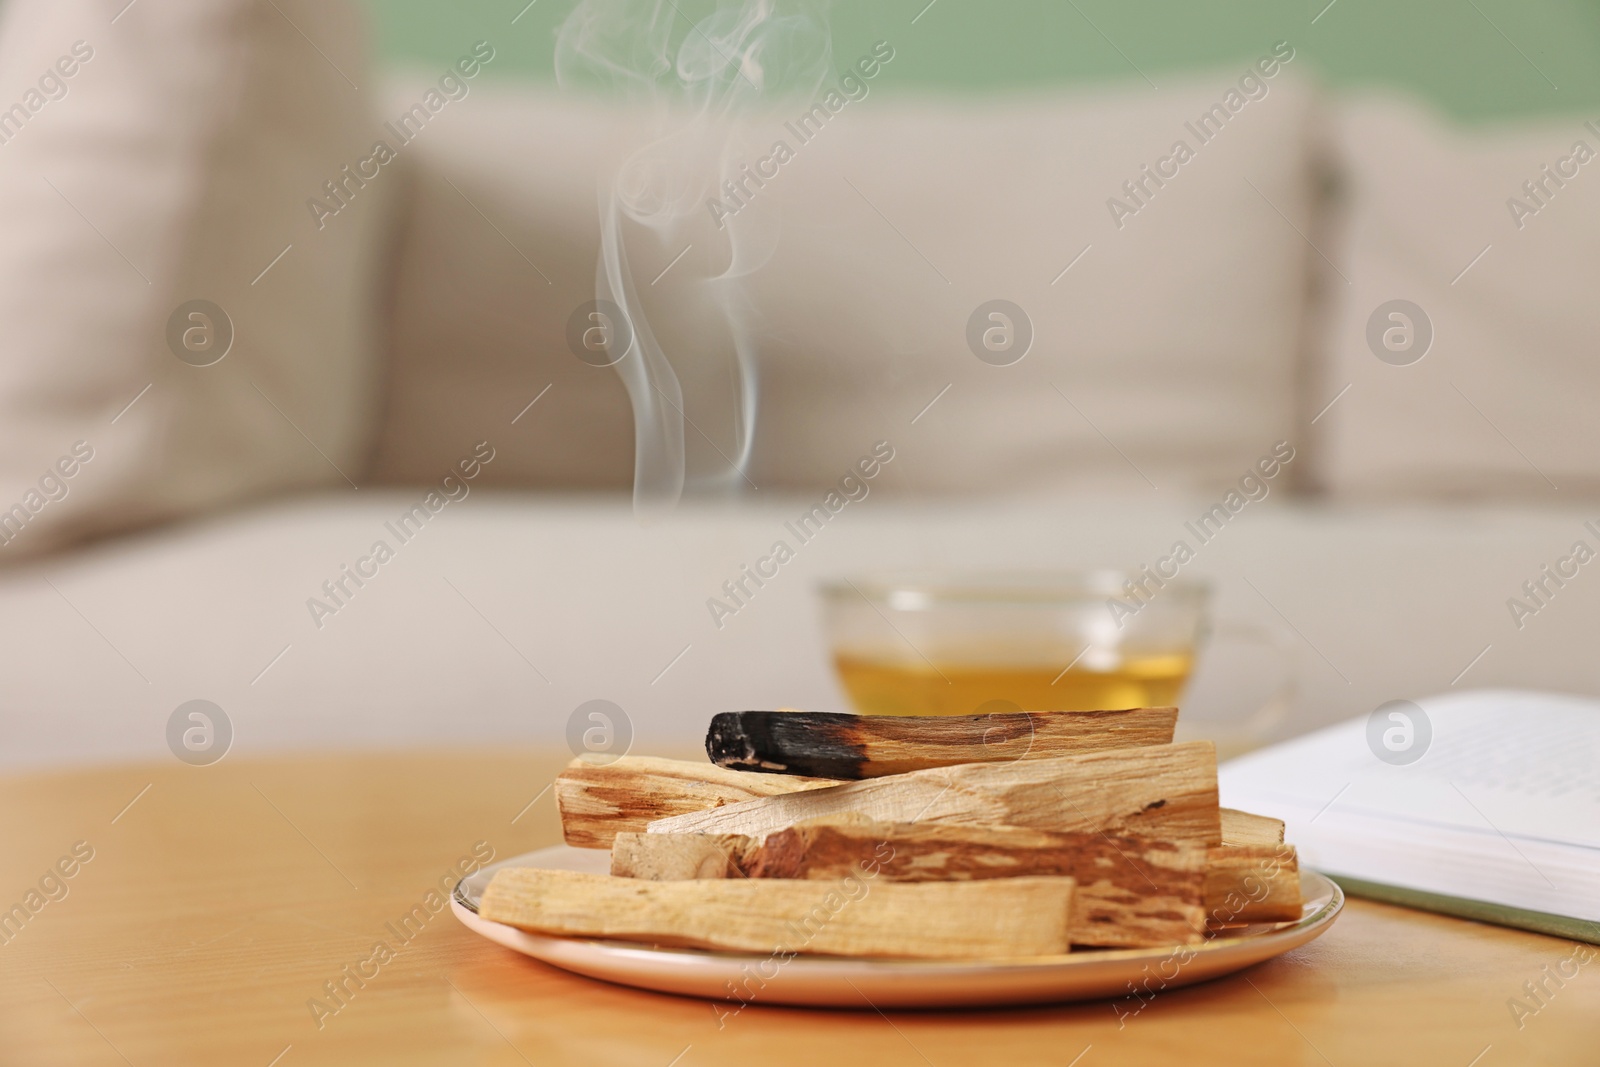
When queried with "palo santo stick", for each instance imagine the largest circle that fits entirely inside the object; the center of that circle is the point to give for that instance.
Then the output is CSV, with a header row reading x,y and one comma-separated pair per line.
x,y
870,746
1252,884
855,917
1160,791
1130,891
1243,828
1243,883
682,857
598,800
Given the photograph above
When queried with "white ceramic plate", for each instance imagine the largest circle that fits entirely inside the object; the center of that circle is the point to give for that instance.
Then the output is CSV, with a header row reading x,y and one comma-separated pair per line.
x,y
823,981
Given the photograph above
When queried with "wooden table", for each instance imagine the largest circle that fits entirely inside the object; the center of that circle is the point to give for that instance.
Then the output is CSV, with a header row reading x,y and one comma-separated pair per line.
x,y
220,899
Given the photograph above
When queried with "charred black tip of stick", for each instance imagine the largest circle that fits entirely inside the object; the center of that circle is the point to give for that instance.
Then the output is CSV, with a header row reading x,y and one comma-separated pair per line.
x,y
786,742
731,742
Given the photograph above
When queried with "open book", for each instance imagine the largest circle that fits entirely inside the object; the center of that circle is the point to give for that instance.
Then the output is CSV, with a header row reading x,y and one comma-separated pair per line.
x,y
1485,805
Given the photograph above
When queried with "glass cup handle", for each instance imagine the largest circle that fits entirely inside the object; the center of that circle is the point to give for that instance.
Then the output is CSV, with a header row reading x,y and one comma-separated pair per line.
x,y
1280,645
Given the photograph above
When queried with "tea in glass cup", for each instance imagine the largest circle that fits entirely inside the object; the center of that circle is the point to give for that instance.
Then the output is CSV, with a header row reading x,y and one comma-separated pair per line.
x,y
950,644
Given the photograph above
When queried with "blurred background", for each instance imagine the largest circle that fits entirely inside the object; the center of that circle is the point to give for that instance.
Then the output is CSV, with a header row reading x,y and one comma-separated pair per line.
x,y
1454,56
417,373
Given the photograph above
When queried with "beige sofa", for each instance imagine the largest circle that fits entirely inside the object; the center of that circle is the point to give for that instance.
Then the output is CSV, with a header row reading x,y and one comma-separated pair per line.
x,y
421,332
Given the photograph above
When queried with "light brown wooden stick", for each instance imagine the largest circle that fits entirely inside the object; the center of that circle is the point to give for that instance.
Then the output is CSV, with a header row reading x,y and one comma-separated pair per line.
x,y
1242,884
1130,891
858,916
1253,877
680,857
1243,828
1160,791
1253,884
598,800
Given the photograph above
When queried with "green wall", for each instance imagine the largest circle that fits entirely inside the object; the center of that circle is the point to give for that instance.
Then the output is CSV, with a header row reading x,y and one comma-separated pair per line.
x,y
1475,59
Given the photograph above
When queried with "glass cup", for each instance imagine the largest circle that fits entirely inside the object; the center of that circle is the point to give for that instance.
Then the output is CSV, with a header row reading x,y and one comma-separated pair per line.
x,y
956,644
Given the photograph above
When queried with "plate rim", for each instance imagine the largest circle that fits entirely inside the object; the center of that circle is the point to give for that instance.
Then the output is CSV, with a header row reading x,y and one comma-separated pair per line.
x,y
1265,933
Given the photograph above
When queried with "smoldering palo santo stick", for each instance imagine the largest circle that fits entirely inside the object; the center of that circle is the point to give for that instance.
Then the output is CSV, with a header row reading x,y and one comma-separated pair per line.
x,y
828,745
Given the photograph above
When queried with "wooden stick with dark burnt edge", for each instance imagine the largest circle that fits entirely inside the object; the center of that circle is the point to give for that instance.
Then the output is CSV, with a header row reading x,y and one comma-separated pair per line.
x,y
1130,891
830,745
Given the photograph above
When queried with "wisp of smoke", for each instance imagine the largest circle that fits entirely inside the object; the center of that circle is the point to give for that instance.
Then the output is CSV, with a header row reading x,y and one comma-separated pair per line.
x,y
698,83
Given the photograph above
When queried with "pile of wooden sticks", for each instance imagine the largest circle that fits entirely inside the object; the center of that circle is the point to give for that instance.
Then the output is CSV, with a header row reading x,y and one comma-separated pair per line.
x,y
942,837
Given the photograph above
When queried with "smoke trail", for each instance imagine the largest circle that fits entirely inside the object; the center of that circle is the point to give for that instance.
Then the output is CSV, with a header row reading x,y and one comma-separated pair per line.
x,y
704,86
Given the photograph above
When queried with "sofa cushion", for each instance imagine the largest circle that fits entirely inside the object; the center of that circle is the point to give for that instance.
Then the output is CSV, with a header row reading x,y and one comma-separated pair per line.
x,y
157,167
1165,333
1503,402
509,610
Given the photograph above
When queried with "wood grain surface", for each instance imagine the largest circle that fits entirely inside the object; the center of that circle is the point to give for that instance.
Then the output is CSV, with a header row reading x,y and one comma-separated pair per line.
x,y
1164,791
599,801
1130,891
219,903
850,916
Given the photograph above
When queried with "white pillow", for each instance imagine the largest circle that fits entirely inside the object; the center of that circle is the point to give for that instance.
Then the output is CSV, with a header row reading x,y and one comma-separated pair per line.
x,y
1504,402
1167,352
153,156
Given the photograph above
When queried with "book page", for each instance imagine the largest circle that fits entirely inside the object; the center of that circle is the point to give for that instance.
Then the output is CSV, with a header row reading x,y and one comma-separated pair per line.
x,y
1498,762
